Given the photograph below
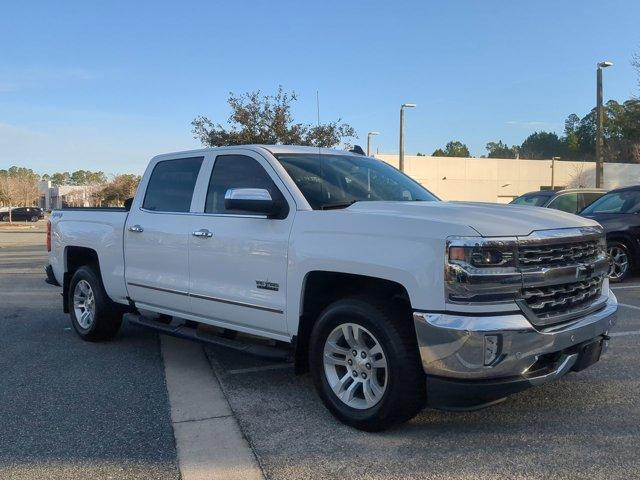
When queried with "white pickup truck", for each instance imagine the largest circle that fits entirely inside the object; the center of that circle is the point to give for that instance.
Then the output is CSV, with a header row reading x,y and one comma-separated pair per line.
x,y
391,298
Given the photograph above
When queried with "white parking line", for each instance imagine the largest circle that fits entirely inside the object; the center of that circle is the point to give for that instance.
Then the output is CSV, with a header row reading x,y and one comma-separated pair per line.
x,y
625,287
209,442
624,334
628,306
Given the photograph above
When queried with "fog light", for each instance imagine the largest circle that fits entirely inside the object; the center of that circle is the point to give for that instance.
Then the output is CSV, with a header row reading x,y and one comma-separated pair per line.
x,y
492,347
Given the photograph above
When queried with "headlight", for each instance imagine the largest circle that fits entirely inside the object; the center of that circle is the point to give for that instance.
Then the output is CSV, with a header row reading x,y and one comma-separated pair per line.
x,y
481,270
482,256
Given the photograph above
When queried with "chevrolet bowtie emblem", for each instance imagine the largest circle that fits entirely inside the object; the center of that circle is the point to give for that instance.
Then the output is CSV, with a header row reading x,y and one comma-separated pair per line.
x,y
584,271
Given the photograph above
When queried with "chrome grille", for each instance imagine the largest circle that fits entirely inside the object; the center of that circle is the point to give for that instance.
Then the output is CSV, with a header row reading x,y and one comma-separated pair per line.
x,y
552,301
555,255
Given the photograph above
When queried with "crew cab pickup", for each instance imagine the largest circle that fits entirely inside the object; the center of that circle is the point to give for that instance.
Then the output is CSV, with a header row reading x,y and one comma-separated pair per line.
x,y
392,299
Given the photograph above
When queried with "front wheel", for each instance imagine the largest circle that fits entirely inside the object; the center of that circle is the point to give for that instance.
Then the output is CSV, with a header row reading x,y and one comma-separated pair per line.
x,y
365,363
34,218
620,261
94,315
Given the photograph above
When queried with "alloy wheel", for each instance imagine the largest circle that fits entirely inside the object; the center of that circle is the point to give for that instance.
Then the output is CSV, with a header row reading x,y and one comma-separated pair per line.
x,y
355,366
84,304
619,262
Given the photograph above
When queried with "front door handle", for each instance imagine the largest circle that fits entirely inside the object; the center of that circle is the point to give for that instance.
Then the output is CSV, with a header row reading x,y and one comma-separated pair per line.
x,y
203,233
136,229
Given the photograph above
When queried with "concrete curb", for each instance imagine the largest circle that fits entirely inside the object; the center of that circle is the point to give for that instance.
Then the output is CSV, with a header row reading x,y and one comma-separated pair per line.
x,y
209,442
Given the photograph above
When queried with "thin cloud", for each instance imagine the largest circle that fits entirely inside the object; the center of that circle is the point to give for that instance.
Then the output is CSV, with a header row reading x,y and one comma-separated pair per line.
x,y
531,124
37,77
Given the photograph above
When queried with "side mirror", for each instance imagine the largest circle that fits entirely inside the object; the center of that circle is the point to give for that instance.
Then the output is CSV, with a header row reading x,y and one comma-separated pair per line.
x,y
256,200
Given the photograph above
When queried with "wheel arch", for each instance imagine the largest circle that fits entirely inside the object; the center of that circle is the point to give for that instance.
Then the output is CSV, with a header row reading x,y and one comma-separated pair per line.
x,y
320,288
74,258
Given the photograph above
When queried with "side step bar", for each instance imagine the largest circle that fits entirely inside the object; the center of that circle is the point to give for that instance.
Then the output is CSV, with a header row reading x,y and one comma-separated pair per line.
x,y
189,332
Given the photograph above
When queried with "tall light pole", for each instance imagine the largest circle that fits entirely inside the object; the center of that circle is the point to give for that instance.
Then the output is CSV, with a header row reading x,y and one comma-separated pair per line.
x,y
402,107
600,125
369,135
553,172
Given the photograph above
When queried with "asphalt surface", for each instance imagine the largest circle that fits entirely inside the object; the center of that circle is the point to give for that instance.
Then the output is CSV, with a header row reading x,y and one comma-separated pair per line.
x,y
586,425
71,409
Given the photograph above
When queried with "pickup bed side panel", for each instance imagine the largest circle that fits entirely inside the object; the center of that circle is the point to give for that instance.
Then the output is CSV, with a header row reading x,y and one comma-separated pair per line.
x,y
407,251
100,230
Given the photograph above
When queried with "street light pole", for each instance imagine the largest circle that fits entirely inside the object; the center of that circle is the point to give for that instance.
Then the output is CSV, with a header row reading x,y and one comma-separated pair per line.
x,y
600,125
401,159
553,172
369,135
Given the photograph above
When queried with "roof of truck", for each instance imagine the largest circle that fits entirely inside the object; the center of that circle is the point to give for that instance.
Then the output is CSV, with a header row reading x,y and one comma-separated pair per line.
x,y
274,149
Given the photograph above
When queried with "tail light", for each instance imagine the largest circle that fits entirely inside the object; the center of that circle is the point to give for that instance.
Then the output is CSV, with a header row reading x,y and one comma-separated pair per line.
x,y
48,236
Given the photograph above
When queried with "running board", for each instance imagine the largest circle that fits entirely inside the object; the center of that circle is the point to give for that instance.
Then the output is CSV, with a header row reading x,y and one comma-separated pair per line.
x,y
188,332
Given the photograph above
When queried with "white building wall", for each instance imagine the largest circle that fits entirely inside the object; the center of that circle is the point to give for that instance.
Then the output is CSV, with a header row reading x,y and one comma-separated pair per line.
x,y
502,179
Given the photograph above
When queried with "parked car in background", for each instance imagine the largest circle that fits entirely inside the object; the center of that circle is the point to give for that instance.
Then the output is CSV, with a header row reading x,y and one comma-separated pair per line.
x,y
30,214
571,200
619,213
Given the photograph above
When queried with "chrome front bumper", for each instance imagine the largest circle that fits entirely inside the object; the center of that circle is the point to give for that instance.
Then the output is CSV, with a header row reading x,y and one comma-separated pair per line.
x,y
452,346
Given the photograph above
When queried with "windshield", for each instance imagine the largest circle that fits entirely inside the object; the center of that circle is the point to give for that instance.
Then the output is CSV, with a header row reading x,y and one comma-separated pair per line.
x,y
533,200
337,181
626,201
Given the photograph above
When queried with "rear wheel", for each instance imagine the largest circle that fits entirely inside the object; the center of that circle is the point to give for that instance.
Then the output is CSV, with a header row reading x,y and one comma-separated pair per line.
x,y
620,266
4,218
93,315
365,363
34,218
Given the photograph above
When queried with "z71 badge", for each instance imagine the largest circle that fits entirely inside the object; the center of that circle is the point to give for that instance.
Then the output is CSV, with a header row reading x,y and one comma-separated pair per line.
x,y
265,285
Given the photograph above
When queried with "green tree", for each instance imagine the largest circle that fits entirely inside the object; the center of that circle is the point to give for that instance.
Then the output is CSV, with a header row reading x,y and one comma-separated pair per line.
x,y
501,150
542,145
60,178
267,119
454,148
118,190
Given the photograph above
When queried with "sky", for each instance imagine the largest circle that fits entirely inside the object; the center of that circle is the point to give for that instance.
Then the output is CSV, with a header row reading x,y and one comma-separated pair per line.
x,y
107,85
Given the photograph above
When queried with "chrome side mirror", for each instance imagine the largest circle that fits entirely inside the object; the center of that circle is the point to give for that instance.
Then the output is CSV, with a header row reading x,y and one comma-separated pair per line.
x,y
255,200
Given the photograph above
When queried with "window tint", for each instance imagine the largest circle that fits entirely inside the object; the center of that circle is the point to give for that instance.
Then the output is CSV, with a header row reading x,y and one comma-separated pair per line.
x,y
626,201
587,198
533,200
237,171
567,203
171,185
336,181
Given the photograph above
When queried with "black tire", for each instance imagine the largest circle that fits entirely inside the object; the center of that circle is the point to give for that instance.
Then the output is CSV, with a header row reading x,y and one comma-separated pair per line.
x,y
4,218
405,393
618,276
108,315
34,218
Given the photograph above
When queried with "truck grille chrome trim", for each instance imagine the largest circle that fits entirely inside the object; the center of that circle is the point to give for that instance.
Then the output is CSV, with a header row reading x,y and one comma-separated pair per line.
x,y
558,255
552,301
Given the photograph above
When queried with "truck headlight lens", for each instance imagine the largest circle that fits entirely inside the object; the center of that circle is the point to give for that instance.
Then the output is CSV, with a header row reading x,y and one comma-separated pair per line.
x,y
479,256
481,270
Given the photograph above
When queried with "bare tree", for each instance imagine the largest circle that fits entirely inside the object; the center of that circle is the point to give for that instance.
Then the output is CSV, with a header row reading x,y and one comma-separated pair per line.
x,y
18,187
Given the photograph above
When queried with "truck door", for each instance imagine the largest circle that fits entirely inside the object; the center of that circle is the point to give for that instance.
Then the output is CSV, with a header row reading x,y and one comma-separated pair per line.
x,y
238,260
157,235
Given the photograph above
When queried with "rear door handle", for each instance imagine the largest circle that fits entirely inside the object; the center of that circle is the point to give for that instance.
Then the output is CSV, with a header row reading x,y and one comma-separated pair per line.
x,y
136,229
203,233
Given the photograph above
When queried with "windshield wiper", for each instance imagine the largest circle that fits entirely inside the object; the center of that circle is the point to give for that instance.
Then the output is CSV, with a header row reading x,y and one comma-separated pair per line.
x,y
335,205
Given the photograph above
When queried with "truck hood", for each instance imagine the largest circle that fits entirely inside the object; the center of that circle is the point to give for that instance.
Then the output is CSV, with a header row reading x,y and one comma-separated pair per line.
x,y
488,219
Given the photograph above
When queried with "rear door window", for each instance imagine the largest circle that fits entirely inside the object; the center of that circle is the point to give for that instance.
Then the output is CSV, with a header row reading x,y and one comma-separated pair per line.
x,y
567,203
171,185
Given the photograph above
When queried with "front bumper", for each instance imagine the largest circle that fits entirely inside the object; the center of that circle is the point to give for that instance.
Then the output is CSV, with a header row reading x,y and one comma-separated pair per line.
x,y
452,348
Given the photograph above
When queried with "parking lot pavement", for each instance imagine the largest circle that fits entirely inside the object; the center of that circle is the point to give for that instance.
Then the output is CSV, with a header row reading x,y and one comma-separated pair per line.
x,y
72,409
585,426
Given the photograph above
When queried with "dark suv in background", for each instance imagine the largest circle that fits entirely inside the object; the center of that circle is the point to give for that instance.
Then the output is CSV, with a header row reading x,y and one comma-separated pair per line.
x,y
619,213
571,200
31,214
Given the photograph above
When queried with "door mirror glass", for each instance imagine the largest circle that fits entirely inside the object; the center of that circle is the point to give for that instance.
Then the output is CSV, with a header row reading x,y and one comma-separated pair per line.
x,y
257,200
